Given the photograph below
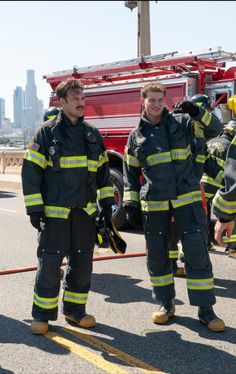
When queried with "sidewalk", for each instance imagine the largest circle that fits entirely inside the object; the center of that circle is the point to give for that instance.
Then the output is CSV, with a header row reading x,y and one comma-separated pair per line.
x,y
10,182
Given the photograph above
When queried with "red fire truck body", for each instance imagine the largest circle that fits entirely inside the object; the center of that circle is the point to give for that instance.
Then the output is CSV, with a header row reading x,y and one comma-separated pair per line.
x,y
113,95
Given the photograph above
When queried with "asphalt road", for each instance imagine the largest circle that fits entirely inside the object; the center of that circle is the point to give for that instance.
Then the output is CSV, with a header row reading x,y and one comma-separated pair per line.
x,y
124,340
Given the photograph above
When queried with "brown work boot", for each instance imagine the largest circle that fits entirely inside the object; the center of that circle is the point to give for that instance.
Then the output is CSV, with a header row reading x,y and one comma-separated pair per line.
x,y
164,313
85,320
39,327
210,320
179,272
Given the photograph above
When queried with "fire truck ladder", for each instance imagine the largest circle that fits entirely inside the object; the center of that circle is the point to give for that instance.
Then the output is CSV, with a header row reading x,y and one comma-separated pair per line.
x,y
166,63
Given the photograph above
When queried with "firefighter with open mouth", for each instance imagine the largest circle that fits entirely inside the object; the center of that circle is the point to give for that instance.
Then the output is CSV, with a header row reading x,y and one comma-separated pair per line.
x,y
65,170
159,149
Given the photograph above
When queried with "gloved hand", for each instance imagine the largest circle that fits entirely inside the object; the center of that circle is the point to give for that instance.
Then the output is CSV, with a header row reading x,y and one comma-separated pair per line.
x,y
133,216
106,213
37,220
186,107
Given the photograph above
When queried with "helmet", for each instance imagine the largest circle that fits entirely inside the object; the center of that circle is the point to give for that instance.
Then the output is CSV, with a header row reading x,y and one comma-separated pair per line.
x,y
109,237
201,100
230,127
50,113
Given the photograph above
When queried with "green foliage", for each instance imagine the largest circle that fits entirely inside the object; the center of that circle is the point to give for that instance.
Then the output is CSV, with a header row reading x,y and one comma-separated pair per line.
x,y
4,140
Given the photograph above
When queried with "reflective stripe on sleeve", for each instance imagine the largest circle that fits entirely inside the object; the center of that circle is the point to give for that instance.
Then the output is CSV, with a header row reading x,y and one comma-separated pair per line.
x,y
223,205
36,157
131,196
131,160
103,158
56,211
105,192
34,199
154,206
90,208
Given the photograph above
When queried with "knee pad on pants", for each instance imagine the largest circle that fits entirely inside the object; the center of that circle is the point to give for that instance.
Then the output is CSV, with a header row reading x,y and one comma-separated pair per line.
x,y
195,250
48,275
157,249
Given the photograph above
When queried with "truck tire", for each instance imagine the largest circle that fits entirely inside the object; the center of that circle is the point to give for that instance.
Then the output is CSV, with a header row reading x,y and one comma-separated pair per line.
x,y
118,216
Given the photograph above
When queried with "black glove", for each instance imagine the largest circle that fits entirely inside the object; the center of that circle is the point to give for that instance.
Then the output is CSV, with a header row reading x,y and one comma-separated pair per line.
x,y
186,107
106,213
37,220
133,216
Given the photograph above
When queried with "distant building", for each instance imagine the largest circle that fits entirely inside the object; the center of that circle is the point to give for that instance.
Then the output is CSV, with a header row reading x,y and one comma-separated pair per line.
x,y
2,112
31,100
18,106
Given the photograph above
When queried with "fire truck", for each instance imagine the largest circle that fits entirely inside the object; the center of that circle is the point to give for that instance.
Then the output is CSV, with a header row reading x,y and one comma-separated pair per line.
x,y
113,95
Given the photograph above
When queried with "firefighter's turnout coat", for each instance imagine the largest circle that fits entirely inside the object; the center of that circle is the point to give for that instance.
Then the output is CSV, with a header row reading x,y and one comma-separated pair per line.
x,y
160,177
224,202
65,170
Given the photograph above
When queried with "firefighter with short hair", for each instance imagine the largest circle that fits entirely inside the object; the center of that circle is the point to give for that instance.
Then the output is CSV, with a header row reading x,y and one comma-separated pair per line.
x,y
159,148
65,170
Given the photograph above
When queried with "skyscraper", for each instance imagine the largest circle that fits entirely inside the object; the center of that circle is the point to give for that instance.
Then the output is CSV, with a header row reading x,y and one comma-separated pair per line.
x,y
2,112
18,105
31,100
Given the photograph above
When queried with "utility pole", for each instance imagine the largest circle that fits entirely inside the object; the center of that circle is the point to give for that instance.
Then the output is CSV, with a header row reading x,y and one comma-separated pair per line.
x,y
143,26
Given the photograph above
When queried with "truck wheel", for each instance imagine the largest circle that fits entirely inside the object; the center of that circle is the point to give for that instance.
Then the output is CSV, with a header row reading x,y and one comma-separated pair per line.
x,y
118,216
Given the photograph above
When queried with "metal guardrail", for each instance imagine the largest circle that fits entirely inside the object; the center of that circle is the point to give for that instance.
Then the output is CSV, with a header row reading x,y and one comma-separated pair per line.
x,y
11,161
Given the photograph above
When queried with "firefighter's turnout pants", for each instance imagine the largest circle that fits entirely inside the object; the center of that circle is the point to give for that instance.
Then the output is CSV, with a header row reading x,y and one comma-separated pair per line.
x,y
73,238
191,224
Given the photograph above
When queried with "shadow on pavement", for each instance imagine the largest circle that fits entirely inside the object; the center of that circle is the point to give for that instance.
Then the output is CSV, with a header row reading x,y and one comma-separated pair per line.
x,y
13,331
164,350
225,288
7,194
104,284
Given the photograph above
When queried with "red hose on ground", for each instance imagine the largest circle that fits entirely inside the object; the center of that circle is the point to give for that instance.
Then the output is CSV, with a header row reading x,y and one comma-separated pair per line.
x,y
100,258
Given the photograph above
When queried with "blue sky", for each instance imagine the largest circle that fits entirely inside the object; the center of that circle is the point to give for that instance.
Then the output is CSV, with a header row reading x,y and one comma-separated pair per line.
x,y
49,36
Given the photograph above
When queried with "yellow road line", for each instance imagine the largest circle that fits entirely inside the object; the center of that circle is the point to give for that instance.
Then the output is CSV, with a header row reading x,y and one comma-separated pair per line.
x,y
112,351
86,354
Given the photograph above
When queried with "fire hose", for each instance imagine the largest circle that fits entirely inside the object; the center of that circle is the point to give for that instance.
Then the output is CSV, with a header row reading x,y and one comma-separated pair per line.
x,y
97,258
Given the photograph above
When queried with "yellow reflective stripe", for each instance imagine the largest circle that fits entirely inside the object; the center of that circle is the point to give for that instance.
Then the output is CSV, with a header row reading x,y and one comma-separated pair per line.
x,y
34,199
73,162
229,239
200,284
90,208
201,159
206,118
209,195
161,281
92,165
198,131
220,162
234,141
56,211
158,158
131,196
211,181
45,302
103,158
180,154
105,192
77,298
173,253
36,158
187,198
131,160
224,205
154,206
220,176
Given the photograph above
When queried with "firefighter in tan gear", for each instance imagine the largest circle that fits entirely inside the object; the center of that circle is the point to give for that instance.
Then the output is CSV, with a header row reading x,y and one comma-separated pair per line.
x,y
65,170
159,148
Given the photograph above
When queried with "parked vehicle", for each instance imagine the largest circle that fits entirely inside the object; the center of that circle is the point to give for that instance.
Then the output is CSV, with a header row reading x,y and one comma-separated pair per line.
x,y
113,95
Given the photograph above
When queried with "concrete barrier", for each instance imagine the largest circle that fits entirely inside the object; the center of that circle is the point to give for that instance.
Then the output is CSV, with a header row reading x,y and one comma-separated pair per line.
x,y
11,161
